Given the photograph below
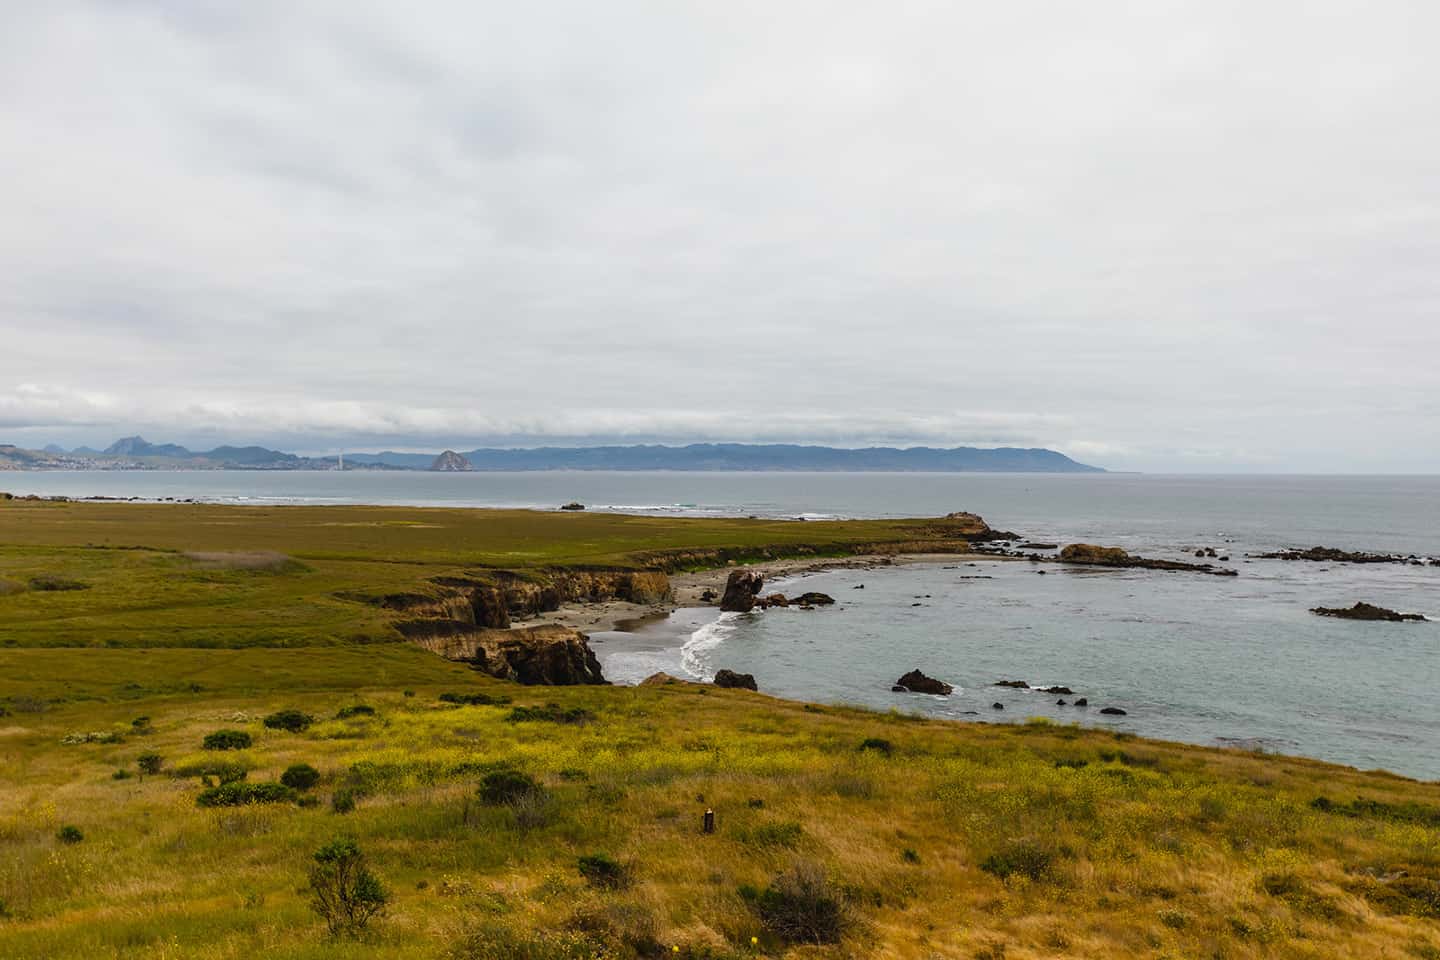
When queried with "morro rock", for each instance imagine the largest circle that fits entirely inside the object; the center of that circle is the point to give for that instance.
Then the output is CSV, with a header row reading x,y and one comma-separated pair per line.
x,y
917,682
451,462
740,591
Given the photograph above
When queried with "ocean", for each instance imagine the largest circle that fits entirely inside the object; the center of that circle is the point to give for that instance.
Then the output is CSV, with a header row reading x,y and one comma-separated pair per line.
x,y
1210,660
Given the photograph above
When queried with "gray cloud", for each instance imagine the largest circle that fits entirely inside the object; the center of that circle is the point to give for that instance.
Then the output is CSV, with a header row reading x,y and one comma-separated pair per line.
x,y
1158,236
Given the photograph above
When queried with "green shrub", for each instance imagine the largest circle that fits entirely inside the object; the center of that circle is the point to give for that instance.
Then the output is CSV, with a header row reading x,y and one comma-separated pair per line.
x,y
290,720
240,794
550,713
53,583
141,725
878,745
473,699
222,771
802,906
600,870
344,892
69,834
149,763
344,799
300,776
121,774
355,710
502,787
227,740
1025,858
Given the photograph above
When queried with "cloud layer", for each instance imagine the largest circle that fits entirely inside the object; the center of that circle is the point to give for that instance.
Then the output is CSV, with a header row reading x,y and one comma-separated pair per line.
x,y
1160,236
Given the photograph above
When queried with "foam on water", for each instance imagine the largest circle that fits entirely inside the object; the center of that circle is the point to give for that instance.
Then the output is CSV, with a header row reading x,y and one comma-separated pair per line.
x,y
696,652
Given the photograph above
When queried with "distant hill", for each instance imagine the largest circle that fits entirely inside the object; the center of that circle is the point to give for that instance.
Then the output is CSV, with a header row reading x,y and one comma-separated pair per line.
x,y
138,447
750,457
136,453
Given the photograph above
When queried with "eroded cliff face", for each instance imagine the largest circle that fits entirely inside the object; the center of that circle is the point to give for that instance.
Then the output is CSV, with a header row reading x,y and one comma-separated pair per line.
x,y
549,654
468,618
494,599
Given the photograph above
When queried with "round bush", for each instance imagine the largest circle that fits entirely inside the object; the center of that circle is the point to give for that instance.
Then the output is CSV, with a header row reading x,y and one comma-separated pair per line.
x,y
69,834
240,793
300,776
355,710
506,786
227,740
291,720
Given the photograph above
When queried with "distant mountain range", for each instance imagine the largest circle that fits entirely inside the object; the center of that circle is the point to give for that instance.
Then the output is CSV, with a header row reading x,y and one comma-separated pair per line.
x,y
135,453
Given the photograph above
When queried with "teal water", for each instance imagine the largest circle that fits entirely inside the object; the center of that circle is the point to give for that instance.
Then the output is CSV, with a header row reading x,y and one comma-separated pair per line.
x,y
1194,658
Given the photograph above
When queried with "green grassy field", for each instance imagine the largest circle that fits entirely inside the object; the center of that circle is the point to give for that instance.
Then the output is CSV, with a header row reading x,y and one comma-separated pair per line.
x,y
913,838
193,575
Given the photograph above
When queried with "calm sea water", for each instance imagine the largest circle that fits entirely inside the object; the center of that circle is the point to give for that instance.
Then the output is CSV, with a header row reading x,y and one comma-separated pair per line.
x,y
1192,658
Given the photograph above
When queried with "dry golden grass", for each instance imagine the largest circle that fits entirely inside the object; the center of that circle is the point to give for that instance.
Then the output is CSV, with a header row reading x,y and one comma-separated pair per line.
x,y
1154,850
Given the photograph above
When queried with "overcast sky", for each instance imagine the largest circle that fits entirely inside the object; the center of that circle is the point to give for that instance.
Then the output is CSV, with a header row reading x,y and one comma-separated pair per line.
x,y
1153,235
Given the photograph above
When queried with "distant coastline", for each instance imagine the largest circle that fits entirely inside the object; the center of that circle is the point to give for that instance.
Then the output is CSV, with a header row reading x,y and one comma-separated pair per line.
x,y
135,453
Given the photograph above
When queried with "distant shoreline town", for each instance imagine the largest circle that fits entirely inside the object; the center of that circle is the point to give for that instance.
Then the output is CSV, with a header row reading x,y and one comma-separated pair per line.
x,y
135,453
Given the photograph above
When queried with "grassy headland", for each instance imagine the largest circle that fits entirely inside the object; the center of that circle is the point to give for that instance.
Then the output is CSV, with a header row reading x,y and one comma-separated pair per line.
x,y
904,837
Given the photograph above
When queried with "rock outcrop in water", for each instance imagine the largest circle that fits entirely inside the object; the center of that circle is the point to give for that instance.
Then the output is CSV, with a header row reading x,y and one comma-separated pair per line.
x,y
805,601
731,680
1335,555
741,589
1366,611
917,682
1092,555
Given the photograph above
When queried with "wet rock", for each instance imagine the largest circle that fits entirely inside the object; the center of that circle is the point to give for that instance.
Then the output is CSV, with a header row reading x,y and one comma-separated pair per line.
x,y
814,599
731,680
917,682
1059,703
1366,611
997,705
709,596
1015,684
1333,555
858,586
1082,702
898,689
1113,712
1091,555
573,505
1065,690
740,591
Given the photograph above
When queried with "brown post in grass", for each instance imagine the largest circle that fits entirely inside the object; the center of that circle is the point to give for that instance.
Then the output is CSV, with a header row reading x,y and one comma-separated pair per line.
x,y
709,821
